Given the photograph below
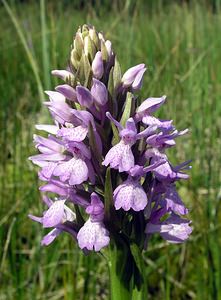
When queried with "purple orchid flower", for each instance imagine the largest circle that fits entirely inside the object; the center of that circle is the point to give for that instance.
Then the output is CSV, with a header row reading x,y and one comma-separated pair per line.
x,y
93,234
164,139
52,153
130,194
59,109
58,213
145,110
77,169
174,229
166,172
120,156
172,201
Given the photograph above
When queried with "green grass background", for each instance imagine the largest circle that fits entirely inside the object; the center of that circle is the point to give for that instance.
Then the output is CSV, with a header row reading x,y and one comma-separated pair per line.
x,y
181,45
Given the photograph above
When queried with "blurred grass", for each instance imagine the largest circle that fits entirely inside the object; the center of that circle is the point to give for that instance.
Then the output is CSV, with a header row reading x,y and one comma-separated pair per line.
x,y
181,45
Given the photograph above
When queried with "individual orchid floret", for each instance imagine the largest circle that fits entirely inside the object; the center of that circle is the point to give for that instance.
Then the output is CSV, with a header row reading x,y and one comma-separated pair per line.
x,y
99,92
56,214
147,108
98,65
133,77
120,156
166,172
174,229
130,195
164,140
82,120
67,91
76,169
172,201
59,109
52,154
93,235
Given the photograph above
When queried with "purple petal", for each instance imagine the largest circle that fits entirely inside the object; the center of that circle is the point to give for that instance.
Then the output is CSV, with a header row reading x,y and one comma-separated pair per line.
x,y
84,96
162,124
99,92
48,128
53,216
67,91
130,125
97,65
173,201
63,74
137,84
150,105
76,134
93,235
130,75
120,156
50,237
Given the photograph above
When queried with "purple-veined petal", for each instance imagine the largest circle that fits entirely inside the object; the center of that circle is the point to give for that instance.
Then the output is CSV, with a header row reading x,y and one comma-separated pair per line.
x,y
50,237
53,216
76,134
93,236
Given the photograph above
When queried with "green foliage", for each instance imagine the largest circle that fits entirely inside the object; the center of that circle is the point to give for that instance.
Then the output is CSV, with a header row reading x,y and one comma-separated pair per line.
x,y
181,45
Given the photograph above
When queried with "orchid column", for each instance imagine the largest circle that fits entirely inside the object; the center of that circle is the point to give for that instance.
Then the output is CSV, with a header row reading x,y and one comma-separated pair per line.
x,y
107,180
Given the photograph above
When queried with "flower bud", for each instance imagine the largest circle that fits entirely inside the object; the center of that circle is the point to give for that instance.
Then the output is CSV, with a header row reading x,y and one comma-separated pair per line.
x,y
137,84
84,96
99,92
109,47
75,58
133,75
67,91
94,37
78,43
63,74
98,66
89,47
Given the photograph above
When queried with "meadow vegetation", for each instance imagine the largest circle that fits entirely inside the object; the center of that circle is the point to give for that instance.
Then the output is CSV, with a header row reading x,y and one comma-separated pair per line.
x,y
180,43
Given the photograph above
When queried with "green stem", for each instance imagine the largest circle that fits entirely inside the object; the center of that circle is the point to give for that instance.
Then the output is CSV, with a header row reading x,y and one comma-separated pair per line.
x,y
117,288
120,287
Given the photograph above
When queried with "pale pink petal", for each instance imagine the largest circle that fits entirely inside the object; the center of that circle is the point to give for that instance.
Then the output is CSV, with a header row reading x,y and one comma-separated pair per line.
x,y
76,134
53,216
139,199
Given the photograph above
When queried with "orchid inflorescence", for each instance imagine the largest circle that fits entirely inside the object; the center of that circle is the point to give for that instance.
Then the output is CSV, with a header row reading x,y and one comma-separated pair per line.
x,y
104,158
